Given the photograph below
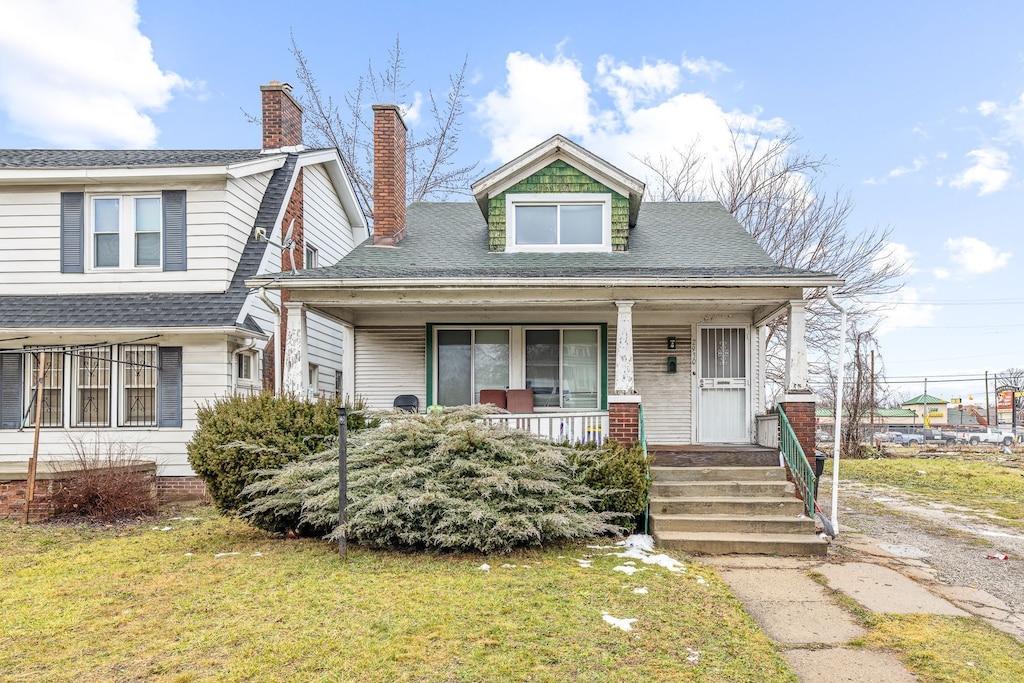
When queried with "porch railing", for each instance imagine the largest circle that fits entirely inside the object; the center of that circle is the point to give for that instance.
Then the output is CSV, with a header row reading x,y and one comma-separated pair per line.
x,y
801,469
768,430
571,427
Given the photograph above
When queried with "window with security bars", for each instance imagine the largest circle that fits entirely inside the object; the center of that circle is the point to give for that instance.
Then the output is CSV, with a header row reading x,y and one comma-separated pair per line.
x,y
51,393
138,364
91,387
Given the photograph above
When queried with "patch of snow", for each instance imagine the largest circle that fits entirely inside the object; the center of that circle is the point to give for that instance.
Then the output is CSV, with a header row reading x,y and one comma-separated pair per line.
x,y
257,554
701,581
624,624
508,566
185,519
226,554
630,562
188,554
585,564
692,656
640,541
628,571
640,591
484,567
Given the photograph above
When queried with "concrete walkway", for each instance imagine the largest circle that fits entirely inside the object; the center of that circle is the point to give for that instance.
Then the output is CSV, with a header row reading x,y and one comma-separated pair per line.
x,y
812,630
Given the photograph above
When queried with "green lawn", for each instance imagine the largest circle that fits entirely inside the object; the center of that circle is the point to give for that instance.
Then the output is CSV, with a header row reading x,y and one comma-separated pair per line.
x,y
986,485
81,603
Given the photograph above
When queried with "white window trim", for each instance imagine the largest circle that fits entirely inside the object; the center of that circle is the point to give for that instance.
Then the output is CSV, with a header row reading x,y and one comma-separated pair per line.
x,y
558,198
239,364
308,262
125,234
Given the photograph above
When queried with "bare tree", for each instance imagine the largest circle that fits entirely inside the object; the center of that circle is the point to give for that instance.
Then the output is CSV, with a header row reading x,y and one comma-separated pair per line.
x,y
776,192
862,392
431,169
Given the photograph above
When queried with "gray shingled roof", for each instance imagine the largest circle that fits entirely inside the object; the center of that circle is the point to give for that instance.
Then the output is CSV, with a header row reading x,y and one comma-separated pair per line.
x,y
671,239
215,309
120,158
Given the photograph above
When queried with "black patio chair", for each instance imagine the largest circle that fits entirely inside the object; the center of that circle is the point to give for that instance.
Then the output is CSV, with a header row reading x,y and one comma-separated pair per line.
x,y
408,403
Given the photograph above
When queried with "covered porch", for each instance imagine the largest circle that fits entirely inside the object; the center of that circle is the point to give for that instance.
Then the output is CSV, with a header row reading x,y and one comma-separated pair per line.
x,y
694,357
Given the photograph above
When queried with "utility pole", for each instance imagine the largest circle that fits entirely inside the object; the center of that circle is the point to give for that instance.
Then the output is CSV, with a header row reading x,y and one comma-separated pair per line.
x,y
872,406
988,408
924,417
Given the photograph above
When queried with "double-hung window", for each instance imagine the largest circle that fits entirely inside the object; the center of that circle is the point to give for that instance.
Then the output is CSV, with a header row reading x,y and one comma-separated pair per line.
x,y
51,392
126,231
558,222
90,391
138,385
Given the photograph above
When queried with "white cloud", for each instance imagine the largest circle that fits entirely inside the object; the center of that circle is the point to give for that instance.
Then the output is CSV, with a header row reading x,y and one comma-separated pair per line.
x,y
904,309
81,74
917,165
974,256
895,254
411,113
702,65
624,110
941,274
1011,116
990,172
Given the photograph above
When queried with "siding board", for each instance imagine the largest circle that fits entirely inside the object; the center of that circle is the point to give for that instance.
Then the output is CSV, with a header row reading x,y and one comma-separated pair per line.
x,y
390,361
666,396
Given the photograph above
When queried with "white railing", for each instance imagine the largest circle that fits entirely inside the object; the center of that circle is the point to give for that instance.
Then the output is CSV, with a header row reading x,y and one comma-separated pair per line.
x,y
768,430
571,427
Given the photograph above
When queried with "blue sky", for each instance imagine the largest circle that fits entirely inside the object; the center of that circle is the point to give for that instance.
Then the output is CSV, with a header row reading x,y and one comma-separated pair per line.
x,y
918,105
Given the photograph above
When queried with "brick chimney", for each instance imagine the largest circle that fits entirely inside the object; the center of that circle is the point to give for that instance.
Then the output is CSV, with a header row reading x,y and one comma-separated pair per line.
x,y
388,175
282,117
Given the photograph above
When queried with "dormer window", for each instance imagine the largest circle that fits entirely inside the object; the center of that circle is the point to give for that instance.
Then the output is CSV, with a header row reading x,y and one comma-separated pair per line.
x,y
547,222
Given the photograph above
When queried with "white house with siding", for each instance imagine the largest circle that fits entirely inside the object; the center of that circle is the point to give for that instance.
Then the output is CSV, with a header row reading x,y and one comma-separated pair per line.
x,y
561,285
125,271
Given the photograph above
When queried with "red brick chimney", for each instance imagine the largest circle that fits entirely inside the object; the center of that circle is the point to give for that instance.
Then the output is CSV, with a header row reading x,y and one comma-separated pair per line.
x,y
388,175
282,116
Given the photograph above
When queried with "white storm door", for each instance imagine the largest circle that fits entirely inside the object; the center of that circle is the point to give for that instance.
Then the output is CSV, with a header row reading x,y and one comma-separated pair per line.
x,y
723,386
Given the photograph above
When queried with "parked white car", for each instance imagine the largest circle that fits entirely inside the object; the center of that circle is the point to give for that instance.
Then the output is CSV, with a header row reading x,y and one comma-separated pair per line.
x,y
987,435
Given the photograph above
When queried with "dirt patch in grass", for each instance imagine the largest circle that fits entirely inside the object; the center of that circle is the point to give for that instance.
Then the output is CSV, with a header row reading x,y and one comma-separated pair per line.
x,y
198,597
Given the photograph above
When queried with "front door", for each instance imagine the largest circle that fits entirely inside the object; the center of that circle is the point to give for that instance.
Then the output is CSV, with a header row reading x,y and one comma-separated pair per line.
x,y
723,386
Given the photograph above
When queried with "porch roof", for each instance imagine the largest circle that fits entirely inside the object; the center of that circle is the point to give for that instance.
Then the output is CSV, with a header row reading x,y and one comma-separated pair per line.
x,y
672,240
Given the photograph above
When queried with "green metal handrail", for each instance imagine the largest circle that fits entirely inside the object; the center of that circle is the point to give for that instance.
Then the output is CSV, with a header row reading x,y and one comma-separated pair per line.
x,y
647,463
802,471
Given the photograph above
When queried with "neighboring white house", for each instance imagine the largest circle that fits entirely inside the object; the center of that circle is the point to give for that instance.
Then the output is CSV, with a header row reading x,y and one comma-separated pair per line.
x,y
561,286
127,269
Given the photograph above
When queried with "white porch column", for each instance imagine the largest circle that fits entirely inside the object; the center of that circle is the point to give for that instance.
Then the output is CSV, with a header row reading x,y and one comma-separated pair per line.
x,y
348,363
796,349
296,352
624,349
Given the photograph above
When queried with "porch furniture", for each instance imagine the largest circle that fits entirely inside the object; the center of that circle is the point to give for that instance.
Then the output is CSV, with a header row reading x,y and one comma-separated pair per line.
x,y
519,400
407,402
495,397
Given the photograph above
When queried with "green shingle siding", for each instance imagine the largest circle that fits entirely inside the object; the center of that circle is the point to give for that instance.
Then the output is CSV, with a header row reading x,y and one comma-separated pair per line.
x,y
558,176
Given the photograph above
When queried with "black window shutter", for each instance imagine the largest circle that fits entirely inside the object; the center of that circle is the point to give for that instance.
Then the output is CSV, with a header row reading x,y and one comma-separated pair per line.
x,y
169,387
72,232
10,390
174,229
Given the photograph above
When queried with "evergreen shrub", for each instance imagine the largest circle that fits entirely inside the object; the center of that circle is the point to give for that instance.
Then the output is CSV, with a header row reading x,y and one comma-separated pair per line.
x,y
618,476
238,435
441,481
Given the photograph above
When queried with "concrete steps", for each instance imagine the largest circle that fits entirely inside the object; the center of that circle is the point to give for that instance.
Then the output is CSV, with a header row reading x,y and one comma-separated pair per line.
x,y
721,510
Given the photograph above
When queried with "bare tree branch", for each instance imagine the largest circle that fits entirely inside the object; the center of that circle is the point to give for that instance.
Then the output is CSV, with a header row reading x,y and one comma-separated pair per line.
x,y
430,164
775,192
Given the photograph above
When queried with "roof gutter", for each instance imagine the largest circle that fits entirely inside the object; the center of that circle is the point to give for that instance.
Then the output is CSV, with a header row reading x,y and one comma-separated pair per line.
x,y
275,282
838,410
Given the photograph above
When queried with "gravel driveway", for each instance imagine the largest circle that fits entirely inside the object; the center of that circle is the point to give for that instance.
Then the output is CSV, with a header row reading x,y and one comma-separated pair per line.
x,y
956,545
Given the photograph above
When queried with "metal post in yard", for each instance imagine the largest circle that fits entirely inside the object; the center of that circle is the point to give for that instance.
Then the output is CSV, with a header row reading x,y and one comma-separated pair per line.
x,y
342,477
33,463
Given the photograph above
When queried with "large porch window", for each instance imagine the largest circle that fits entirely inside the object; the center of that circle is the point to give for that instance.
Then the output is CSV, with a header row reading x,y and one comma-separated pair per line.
x,y
563,365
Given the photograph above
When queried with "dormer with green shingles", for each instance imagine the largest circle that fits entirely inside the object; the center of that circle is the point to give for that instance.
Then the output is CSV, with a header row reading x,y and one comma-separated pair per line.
x,y
563,170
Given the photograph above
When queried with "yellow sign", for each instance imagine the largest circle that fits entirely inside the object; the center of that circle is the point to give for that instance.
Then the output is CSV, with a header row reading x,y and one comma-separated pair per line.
x,y
927,422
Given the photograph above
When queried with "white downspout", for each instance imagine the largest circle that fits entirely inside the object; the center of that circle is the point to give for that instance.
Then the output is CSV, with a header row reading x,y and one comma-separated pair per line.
x,y
278,351
838,410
